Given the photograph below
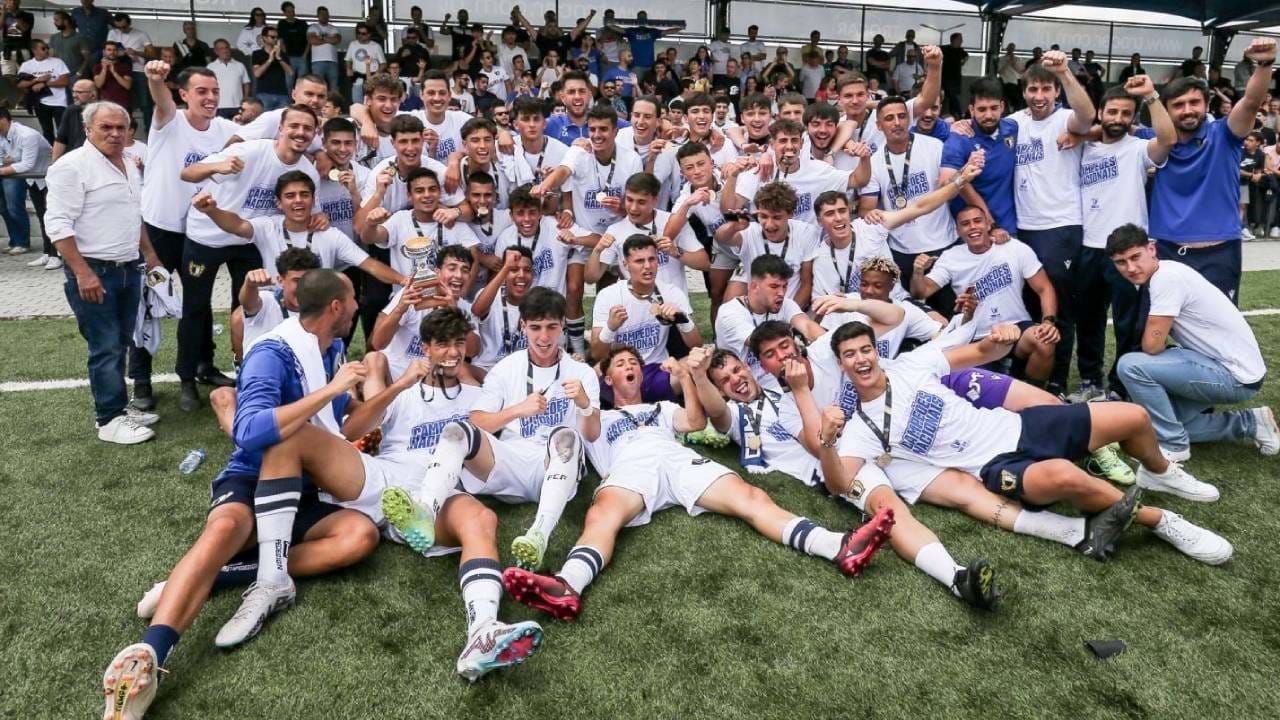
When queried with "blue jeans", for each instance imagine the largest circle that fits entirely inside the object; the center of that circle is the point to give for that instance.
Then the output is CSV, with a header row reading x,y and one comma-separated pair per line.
x,y
16,222
273,101
108,328
299,65
1177,386
327,69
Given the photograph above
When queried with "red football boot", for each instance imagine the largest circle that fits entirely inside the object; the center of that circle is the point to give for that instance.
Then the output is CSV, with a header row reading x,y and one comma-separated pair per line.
x,y
860,545
549,594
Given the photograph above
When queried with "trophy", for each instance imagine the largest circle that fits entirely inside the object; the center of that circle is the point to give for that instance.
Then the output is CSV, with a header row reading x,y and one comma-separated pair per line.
x,y
418,250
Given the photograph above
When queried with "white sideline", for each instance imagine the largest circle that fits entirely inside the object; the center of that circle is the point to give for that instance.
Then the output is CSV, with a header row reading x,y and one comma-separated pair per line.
x,y
70,383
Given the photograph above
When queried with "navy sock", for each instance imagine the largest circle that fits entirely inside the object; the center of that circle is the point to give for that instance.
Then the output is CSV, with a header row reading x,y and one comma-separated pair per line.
x,y
161,638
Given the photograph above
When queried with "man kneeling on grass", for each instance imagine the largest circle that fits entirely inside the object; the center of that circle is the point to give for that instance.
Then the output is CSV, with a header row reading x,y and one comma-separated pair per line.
x,y
292,384
646,469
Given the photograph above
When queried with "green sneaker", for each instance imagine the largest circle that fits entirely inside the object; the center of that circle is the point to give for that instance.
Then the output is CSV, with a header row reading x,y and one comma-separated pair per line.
x,y
708,436
529,549
413,521
1108,463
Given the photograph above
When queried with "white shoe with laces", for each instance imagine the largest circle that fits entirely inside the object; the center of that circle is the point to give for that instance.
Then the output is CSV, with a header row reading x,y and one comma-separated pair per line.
x,y
1246,235
260,602
17,250
498,645
1175,456
150,601
1176,481
39,262
1266,434
130,682
141,417
124,430
53,263
1192,540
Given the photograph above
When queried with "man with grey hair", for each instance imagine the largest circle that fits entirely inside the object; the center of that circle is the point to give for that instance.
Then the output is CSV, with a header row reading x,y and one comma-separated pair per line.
x,y
95,220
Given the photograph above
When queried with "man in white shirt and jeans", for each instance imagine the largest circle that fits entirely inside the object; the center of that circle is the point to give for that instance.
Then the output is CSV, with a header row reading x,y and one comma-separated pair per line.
x,y
95,216
1216,360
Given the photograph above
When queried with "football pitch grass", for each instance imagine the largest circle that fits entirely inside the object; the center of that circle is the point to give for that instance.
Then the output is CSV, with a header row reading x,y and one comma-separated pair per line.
x,y
694,618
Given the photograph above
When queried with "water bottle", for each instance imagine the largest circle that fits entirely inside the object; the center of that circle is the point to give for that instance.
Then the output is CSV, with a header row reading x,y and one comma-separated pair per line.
x,y
217,329
192,461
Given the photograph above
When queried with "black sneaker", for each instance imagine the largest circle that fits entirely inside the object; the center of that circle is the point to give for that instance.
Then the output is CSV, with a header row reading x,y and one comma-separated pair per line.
x,y
143,399
977,585
210,375
1103,529
189,397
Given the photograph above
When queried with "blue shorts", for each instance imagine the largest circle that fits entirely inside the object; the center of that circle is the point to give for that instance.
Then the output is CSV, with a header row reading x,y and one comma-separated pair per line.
x,y
230,488
982,388
1049,432
655,385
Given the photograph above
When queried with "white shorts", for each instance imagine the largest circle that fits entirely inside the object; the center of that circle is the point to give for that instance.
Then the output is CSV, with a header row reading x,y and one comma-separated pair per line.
x,y
380,474
679,479
518,471
724,257
868,479
910,478
579,255
740,275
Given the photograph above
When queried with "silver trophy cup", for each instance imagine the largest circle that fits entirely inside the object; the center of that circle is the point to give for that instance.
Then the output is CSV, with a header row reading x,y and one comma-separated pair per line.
x,y
418,250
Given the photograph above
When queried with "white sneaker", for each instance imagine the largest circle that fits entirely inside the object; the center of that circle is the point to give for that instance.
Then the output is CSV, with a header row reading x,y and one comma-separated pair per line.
x,y
1246,235
17,250
141,417
1266,434
53,263
130,683
38,261
497,645
124,430
1194,541
1275,231
260,602
1176,456
150,600
1177,481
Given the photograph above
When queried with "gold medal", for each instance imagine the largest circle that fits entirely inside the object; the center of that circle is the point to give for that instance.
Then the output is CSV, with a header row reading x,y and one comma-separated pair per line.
x,y
900,202
602,196
883,460
335,174
655,309
754,442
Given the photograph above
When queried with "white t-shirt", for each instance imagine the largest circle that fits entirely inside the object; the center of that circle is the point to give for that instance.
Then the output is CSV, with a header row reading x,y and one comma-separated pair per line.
x,y
269,315
396,196
1205,321
231,80
590,178
870,133
635,436
267,125
499,331
358,52
627,138
251,193
670,270
498,79
734,324
810,180
835,272
755,47
1046,180
505,55
550,254
507,171
800,247
135,40
667,169
334,200
323,52
641,330
165,197
508,383
1113,179
929,422
412,423
927,233
997,277
405,345
336,250
711,219
721,53
401,226
487,240
448,130
780,429
55,69
916,325
550,158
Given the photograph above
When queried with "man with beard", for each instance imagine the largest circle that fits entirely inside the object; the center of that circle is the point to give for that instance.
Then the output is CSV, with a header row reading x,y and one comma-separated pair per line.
x,y
575,93
1113,178
243,179
859,124
309,90
1193,198
996,136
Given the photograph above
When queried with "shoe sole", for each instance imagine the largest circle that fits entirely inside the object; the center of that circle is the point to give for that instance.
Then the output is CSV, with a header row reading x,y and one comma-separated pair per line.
x,y
525,591
527,553
129,441
1179,493
1092,467
119,683
510,651
398,507
279,606
1275,431
853,566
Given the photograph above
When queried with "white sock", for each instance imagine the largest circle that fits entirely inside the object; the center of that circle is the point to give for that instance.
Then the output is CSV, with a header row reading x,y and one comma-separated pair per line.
x,y
560,482
275,504
937,563
808,537
481,583
1050,526
581,567
445,471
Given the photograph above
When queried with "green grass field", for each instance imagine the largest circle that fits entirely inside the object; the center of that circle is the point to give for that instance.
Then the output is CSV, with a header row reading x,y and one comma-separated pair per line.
x,y
695,618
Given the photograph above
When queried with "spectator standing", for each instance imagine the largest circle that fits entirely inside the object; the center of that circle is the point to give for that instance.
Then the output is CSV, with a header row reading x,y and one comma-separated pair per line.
x,y
954,57
113,75
95,217
45,78
136,45
247,40
899,51
643,39
1133,68
93,23
721,54
70,46
364,58
1188,67
17,37
421,29
324,39
191,51
1010,70
906,74
233,79
293,37
878,62
460,39
1240,76
272,71
753,46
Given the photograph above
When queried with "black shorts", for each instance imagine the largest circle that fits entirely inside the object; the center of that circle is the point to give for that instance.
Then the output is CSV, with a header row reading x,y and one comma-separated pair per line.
x,y
1049,432
230,488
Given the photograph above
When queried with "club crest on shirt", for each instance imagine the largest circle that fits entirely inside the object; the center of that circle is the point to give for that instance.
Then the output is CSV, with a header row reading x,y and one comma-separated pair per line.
x,y
1009,141
195,269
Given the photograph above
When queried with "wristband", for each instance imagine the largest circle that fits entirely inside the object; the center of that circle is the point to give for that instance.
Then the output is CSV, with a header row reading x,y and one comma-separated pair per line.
x,y
588,411
686,328
607,334
1148,99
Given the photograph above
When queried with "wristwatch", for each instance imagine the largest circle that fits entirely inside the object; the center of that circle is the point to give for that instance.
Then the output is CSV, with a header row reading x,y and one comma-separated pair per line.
x,y
1053,319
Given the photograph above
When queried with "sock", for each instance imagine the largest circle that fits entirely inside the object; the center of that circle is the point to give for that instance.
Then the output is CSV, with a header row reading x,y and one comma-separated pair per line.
x,y
237,574
161,638
937,563
812,539
458,443
575,328
560,482
581,567
1050,526
275,503
481,583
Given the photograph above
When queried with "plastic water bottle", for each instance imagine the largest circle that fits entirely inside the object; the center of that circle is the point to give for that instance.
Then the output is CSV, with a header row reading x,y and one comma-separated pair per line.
x,y
192,461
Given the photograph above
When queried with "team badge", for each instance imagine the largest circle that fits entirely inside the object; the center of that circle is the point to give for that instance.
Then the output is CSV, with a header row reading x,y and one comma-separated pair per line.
x,y
1009,141
195,269
1008,481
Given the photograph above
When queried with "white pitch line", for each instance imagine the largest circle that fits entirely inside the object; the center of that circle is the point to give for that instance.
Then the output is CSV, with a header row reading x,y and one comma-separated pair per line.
x,y
72,383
